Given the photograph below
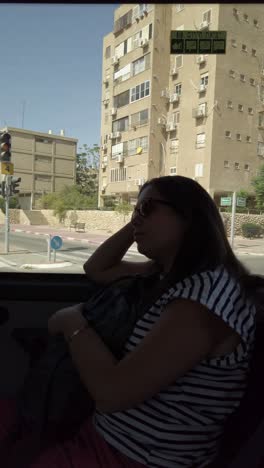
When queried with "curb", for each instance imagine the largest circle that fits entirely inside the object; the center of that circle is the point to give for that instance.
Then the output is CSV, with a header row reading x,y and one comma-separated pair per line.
x,y
39,266
88,241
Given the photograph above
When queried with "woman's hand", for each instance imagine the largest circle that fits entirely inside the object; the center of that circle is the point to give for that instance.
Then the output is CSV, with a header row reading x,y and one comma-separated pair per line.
x,y
66,320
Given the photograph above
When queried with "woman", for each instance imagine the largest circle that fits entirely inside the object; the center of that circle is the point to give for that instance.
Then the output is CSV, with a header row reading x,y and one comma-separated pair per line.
x,y
186,363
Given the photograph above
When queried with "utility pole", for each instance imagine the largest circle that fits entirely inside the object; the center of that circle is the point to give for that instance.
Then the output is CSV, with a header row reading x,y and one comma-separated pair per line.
x,y
7,224
233,219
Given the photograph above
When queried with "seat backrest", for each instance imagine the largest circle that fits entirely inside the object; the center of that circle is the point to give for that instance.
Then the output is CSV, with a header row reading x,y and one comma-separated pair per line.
x,y
246,421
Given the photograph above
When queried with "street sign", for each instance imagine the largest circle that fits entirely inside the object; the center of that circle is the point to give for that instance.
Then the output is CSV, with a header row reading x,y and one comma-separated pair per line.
x,y
198,42
7,168
241,201
56,242
226,201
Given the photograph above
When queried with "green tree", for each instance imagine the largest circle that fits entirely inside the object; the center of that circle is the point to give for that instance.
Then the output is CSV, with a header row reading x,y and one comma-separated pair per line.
x,y
124,209
13,203
69,198
87,169
258,184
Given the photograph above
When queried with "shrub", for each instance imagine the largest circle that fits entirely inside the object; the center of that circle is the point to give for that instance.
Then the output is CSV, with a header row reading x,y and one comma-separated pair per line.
x,y
251,230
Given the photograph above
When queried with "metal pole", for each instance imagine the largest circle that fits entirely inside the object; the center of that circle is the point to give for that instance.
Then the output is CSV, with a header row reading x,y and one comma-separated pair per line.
x,y
54,256
7,188
233,219
49,250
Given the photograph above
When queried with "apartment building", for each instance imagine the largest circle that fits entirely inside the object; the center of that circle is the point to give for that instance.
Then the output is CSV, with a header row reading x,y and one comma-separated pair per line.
x,y
197,116
45,162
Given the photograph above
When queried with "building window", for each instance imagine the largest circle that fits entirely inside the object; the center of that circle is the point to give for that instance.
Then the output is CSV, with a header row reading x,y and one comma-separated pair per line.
x,y
118,175
245,17
242,78
226,163
234,42
256,23
140,65
174,146
229,104
108,52
136,144
179,7
235,11
140,118
178,89
200,140
244,48
246,167
173,170
204,79
139,91
254,52
178,61
237,165
238,136
248,139
176,117
119,149
121,99
261,120
227,134
250,110
240,108
252,81
123,22
120,125
198,172
260,148
123,74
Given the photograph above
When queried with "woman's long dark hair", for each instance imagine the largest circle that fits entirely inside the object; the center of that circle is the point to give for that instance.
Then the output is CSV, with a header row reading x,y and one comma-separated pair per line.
x,y
205,244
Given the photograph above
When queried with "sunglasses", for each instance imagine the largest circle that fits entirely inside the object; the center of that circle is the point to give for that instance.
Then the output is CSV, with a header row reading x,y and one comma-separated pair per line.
x,y
146,207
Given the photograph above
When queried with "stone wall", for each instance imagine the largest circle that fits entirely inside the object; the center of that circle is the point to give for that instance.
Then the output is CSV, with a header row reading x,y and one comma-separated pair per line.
x,y
240,219
111,221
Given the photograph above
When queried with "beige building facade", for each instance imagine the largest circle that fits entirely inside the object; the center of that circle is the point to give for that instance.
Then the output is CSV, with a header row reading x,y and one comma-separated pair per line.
x,y
200,116
45,162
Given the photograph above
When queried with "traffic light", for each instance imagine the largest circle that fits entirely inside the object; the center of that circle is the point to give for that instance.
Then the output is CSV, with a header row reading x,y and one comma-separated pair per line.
x,y
15,181
5,145
2,189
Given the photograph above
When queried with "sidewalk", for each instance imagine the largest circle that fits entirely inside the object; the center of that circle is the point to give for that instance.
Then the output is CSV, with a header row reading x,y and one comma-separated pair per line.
x,y
242,246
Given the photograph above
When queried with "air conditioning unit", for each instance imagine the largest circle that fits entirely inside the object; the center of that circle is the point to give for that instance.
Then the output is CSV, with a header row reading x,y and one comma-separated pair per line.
x,y
103,166
113,111
105,159
106,80
165,93
201,59
104,147
161,121
115,60
140,182
105,102
103,188
120,158
173,71
144,42
171,126
202,88
114,135
137,17
204,25
174,97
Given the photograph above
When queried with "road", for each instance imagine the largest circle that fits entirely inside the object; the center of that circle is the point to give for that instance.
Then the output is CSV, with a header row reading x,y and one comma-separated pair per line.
x,y
29,249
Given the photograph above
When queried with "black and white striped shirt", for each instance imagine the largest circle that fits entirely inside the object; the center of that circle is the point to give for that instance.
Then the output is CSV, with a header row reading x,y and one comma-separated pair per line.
x,y
181,426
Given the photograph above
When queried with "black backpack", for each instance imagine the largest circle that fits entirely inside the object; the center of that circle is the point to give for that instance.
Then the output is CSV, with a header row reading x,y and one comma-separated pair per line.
x,y
53,400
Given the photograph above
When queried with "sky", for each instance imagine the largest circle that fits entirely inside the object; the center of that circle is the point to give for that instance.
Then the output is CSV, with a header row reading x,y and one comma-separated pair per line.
x,y
51,66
